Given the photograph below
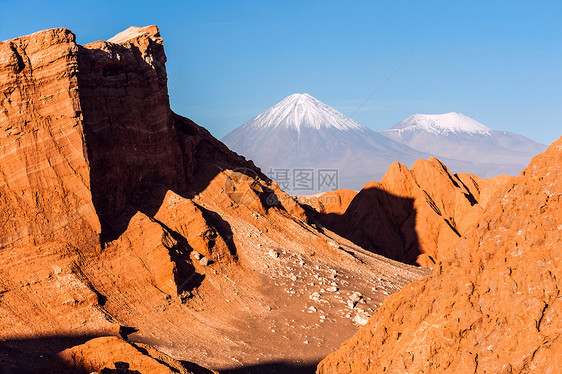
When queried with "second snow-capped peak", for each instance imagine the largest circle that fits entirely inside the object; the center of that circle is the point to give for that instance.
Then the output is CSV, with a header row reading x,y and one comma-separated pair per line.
x,y
441,124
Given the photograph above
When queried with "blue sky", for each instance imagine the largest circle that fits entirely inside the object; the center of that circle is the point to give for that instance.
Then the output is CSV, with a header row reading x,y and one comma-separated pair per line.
x,y
499,62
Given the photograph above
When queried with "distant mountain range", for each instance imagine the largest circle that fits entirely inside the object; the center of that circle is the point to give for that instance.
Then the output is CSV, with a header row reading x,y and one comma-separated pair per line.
x,y
457,137
300,142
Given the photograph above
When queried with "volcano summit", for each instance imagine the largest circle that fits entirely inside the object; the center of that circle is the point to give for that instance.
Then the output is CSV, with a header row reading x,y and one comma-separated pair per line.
x,y
302,132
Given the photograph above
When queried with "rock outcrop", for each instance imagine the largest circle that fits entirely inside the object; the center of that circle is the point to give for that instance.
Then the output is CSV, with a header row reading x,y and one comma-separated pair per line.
x,y
492,306
45,191
332,202
119,217
108,355
414,216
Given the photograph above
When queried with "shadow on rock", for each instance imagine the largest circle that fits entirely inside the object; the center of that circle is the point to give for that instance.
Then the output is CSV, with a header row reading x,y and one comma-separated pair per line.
x,y
377,221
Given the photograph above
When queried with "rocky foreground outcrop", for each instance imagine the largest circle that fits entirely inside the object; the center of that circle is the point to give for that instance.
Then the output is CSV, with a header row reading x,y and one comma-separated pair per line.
x,y
119,217
112,355
413,216
493,305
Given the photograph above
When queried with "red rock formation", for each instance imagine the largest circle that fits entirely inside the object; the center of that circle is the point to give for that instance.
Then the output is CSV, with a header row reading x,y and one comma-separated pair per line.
x,y
335,202
120,217
416,215
493,306
113,355
46,208
41,137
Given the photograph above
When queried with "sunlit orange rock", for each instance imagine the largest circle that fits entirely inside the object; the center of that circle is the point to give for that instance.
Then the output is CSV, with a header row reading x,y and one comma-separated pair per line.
x,y
492,306
335,202
414,216
113,355
120,217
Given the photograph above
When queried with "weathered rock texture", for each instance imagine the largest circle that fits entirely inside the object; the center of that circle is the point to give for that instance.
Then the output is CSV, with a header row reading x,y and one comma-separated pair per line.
x,y
414,216
118,216
493,306
45,190
332,202
113,355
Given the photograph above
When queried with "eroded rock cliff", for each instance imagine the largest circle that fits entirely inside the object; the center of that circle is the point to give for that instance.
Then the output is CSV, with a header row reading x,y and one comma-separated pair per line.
x,y
414,216
492,306
119,217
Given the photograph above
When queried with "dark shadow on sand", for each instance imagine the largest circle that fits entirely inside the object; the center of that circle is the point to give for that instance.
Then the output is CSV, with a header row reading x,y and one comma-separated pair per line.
x,y
23,356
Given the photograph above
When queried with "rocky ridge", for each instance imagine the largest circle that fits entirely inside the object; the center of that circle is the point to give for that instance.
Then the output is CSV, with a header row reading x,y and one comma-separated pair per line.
x,y
413,216
493,305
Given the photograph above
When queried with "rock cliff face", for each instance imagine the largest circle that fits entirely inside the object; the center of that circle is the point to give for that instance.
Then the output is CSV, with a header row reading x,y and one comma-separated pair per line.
x,y
493,305
414,216
46,205
127,117
45,190
119,217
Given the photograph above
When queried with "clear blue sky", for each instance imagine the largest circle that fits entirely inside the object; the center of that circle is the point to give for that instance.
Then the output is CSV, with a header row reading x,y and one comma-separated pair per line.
x,y
499,62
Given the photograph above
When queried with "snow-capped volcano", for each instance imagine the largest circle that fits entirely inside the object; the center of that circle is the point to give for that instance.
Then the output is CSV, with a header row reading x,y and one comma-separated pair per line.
x,y
460,138
302,110
301,132
442,124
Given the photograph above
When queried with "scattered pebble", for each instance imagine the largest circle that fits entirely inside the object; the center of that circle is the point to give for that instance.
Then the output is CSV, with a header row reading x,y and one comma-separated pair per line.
x,y
361,318
356,296
315,296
